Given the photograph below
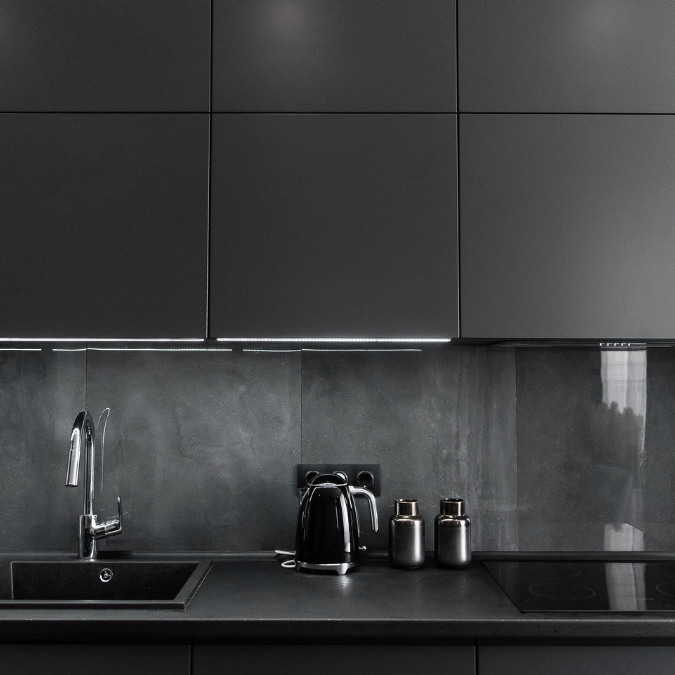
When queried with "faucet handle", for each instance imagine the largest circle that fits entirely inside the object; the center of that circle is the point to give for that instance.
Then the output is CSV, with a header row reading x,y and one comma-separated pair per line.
x,y
110,527
119,515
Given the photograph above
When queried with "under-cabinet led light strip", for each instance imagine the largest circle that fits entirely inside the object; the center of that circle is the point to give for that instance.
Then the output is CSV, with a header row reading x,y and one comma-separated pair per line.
x,y
356,340
18,349
273,351
156,349
349,351
354,351
14,339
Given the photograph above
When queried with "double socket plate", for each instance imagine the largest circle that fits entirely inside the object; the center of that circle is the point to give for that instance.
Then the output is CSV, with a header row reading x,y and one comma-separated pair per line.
x,y
361,475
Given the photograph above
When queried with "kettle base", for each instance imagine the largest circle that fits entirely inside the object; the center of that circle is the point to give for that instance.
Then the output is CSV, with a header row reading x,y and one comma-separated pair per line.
x,y
340,568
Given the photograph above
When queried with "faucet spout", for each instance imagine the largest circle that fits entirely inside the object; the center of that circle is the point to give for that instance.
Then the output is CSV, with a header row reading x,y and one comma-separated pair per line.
x,y
84,429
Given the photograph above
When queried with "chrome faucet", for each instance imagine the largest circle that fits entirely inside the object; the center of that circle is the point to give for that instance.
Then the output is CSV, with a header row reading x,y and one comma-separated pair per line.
x,y
90,530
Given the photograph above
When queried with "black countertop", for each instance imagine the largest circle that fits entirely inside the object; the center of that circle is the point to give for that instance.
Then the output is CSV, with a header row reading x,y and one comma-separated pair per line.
x,y
254,599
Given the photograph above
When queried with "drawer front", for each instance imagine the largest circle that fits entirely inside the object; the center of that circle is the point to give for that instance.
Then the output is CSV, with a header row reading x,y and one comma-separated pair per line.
x,y
100,659
554,660
332,660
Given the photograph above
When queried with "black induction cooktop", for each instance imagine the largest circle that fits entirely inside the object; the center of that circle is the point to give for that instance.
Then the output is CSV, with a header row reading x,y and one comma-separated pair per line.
x,y
586,586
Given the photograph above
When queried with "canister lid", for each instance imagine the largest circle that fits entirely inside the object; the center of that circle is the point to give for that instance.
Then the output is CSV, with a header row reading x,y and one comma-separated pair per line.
x,y
406,507
452,506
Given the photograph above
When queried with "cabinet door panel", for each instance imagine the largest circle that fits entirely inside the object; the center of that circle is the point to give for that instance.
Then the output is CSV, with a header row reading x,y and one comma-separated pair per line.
x,y
576,660
333,226
566,56
334,55
332,660
99,659
96,55
567,226
103,225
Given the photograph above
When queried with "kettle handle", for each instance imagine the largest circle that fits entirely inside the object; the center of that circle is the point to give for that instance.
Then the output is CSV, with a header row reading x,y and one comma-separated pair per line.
x,y
362,492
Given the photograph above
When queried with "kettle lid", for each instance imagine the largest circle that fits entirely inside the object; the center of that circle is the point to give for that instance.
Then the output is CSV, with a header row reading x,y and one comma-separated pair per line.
x,y
328,480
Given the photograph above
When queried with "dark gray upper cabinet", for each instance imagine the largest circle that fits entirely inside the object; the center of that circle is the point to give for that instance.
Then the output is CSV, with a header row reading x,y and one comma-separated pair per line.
x,y
567,226
566,56
333,226
103,225
105,55
334,55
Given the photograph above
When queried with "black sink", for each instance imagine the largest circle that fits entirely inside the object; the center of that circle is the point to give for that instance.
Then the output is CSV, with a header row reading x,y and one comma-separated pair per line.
x,y
105,584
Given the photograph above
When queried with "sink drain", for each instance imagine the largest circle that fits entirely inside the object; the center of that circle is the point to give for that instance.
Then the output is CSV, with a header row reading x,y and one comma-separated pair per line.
x,y
106,575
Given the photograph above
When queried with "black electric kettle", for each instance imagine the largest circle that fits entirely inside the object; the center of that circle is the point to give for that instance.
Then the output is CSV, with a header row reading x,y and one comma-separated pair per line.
x,y
327,537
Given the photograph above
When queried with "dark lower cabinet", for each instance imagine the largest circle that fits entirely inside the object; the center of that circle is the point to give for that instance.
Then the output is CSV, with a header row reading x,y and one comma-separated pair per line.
x,y
103,225
333,226
334,56
607,56
332,660
99,659
569,660
566,226
96,55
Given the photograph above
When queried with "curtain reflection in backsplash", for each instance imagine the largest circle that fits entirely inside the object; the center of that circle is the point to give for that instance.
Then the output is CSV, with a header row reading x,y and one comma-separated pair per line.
x,y
618,429
618,442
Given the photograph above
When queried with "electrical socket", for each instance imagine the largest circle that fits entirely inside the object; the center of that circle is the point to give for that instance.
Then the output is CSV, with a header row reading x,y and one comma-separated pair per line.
x,y
361,475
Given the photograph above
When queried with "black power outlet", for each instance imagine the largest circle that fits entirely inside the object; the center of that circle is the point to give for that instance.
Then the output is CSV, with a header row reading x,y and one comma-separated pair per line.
x,y
361,475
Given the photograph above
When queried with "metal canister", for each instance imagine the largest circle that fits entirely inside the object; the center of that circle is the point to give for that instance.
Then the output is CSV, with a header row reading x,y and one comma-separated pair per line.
x,y
452,529
406,535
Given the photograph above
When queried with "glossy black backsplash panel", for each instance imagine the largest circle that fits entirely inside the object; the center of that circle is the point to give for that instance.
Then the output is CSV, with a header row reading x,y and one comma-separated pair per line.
x,y
552,448
561,498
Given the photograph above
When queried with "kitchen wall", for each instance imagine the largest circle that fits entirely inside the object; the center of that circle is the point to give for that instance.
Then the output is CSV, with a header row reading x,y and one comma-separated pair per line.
x,y
552,448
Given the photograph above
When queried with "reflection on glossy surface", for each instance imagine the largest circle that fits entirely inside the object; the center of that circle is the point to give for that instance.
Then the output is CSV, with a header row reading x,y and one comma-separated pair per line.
x,y
566,55
618,427
291,35
560,591
543,570
604,28
584,446
288,18
346,584
597,586
624,390
626,586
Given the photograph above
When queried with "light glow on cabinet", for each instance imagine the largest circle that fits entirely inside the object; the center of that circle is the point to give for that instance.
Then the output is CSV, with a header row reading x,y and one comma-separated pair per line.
x,y
351,340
